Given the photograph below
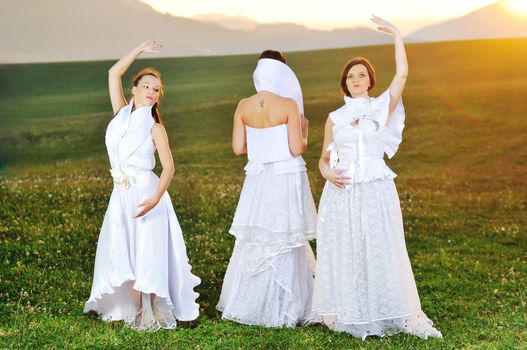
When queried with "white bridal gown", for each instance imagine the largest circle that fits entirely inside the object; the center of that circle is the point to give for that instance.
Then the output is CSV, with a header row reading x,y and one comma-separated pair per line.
x,y
364,281
142,274
269,280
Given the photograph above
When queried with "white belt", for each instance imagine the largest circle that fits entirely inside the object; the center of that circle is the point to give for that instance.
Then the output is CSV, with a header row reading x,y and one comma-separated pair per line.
x,y
355,168
288,166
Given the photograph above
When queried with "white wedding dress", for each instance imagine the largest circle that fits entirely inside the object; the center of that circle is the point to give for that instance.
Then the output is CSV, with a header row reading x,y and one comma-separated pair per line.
x,y
364,283
141,274
269,280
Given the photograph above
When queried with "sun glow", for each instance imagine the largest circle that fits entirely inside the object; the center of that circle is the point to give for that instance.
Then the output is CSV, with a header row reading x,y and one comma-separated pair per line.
x,y
518,7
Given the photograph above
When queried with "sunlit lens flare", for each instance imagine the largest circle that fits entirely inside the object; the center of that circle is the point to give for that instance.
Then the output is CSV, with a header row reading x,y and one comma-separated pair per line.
x,y
518,7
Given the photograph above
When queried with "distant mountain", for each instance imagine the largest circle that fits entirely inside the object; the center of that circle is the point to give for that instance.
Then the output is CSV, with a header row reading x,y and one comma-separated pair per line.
x,y
493,21
231,22
72,30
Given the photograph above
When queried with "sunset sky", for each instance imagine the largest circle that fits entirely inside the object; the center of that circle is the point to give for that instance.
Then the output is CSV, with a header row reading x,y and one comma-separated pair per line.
x,y
328,14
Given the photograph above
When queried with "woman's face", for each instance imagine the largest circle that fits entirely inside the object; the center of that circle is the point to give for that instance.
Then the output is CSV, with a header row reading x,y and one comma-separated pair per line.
x,y
147,91
358,81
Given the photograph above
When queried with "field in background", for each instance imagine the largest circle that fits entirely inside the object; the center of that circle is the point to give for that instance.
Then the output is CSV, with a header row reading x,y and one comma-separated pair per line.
x,y
462,182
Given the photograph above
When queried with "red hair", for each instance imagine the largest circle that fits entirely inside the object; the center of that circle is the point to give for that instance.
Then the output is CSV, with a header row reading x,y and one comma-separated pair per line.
x,y
344,76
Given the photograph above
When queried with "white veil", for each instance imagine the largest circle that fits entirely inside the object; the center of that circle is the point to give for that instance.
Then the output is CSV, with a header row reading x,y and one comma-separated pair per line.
x,y
276,77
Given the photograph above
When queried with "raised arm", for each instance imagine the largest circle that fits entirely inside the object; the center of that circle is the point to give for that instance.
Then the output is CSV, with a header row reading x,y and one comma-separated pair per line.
x,y
297,127
120,67
239,142
160,138
401,63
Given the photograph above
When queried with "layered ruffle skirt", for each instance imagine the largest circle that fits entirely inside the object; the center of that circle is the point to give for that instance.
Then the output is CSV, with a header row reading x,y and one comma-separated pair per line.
x,y
269,280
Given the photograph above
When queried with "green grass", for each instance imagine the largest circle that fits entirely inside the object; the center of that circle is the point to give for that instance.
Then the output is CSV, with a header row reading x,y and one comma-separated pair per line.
x,y
462,182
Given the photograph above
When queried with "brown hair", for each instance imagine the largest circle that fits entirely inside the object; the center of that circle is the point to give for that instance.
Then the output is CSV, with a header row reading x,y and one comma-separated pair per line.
x,y
344,76
273,54
155,73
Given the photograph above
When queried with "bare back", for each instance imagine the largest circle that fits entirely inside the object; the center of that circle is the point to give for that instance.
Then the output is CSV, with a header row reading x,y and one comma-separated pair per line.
x,y
265,109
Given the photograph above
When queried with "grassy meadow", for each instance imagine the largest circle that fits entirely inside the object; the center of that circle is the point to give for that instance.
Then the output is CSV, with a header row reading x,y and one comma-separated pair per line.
x,y
462,181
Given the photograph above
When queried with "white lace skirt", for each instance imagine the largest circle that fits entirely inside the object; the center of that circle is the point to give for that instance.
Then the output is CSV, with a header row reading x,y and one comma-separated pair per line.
x,y
142,274
269,280
364,283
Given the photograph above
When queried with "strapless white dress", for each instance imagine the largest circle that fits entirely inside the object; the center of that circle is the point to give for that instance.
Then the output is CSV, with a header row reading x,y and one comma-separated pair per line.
x,y
269,280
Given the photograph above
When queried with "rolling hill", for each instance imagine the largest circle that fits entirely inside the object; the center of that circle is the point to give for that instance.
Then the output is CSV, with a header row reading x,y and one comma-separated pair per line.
x,y
493,21
77,30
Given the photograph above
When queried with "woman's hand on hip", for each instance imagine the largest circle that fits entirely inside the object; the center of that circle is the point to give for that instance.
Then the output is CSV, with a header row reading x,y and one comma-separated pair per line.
x,y
335,176
145,207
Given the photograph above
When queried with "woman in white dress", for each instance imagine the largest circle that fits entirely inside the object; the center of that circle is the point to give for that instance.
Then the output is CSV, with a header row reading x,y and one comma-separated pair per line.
x,y
269,279
142,274
364,283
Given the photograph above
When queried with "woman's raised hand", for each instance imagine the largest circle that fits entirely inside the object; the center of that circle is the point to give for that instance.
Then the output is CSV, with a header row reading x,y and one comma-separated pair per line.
x,y
385,26
120,67
150,46
401,62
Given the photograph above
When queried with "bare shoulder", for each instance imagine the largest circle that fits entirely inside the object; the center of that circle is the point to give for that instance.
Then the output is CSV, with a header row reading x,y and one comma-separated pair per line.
x,y
243,102
288,105
329,121
240,108
288,102
158,130
272,96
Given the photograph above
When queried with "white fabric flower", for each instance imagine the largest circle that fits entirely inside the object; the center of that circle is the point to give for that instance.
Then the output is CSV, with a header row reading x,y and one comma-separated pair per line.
x,y
121,178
